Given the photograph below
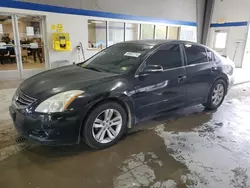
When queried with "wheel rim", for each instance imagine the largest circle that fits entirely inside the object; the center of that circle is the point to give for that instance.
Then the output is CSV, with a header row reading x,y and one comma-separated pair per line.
x,y
107,126
218,94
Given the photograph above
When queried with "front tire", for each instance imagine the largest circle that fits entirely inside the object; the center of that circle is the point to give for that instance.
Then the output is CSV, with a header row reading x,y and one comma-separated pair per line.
x,y
216,95
105,125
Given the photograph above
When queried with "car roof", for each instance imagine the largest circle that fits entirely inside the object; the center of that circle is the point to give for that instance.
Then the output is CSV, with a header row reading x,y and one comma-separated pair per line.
x,y
156,42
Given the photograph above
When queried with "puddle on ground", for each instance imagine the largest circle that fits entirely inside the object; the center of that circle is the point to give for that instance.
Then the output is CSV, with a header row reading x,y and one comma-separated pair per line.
x,y
79,166
187,123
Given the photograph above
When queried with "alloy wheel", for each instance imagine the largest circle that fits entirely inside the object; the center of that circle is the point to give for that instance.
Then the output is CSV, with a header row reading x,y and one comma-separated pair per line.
x,y
218,94
107,126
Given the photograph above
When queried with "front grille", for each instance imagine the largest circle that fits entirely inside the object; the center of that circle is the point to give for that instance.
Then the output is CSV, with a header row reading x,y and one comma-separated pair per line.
x,y
22,100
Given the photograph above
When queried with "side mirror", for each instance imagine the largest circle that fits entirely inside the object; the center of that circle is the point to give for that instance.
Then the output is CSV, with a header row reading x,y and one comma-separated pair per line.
x,y
150,69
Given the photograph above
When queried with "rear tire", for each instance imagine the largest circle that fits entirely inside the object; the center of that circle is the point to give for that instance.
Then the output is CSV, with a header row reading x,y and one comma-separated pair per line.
x,y
105,125
216,95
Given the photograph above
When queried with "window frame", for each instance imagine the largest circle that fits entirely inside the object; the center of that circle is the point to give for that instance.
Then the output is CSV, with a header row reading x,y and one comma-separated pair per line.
x,y
138,34
106,35
185,54
108,31
213,56
151,53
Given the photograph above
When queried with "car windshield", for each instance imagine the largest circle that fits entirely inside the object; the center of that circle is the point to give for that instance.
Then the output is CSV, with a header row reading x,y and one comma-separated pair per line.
x,y
118,58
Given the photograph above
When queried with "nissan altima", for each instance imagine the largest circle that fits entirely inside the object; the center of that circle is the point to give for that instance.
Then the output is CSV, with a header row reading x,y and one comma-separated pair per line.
x,y
99,99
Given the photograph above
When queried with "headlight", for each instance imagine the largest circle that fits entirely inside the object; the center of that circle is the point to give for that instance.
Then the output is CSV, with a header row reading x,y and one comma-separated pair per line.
x,y
59,102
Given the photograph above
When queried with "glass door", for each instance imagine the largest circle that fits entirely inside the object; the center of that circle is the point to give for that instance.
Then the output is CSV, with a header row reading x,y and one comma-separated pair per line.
x,y
31,44
8,62
22,46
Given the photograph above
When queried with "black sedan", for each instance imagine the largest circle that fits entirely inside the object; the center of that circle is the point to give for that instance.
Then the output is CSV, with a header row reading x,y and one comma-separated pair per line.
x,y
99,99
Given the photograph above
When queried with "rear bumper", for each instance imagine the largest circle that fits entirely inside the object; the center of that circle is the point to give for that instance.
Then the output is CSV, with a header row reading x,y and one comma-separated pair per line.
x,y
56,129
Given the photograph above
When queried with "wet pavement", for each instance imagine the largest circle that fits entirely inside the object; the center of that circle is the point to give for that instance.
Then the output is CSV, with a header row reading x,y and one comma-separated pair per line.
x,y
187,148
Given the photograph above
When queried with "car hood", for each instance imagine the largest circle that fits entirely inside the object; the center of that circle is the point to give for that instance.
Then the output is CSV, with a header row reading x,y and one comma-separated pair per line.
x,y
51,82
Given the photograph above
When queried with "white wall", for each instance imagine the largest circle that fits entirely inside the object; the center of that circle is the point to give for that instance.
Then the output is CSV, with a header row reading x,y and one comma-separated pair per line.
x,y
76,26
168,9
231,11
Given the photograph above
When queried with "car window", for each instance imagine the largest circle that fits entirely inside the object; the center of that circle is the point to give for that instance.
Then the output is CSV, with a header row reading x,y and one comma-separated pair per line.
x,y
118,58
195,54
168,57
210,55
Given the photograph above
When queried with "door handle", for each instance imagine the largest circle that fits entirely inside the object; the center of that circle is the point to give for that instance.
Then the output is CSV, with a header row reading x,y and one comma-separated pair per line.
x,y
181,78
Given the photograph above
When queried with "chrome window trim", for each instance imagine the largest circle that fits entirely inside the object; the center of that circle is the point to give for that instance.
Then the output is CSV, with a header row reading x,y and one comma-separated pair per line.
x,y
186,66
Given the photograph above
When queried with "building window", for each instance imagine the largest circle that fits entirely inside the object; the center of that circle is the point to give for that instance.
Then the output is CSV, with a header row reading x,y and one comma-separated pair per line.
x,y
132,31
160,32
188,33
147,31
173,33
97,33
116,33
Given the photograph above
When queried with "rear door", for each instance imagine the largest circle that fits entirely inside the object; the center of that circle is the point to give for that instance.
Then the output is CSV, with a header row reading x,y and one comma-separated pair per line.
x,y
201,69
159,91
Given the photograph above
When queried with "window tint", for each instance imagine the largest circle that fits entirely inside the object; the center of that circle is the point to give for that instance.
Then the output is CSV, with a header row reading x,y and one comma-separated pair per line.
x,y
210,55
195,54
118,58
168,57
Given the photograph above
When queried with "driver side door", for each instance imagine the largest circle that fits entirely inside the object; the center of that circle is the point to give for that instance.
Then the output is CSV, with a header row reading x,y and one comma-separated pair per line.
x,y
159,91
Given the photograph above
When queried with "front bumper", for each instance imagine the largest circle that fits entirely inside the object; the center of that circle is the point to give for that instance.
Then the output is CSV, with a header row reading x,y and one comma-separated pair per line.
x,y
46,129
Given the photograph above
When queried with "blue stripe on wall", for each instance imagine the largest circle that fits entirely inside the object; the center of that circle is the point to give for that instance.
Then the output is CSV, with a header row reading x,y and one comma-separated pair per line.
x,y
64,10
229,24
